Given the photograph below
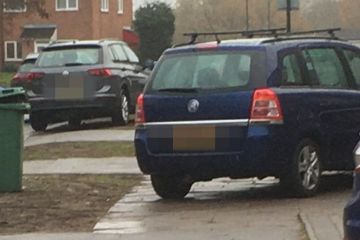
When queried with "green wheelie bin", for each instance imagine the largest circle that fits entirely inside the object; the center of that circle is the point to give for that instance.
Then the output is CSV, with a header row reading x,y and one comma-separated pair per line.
x,y
12,109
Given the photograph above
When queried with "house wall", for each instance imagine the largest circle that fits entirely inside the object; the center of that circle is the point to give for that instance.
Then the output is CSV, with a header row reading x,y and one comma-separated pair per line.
x,y
110,24
70,24
88,22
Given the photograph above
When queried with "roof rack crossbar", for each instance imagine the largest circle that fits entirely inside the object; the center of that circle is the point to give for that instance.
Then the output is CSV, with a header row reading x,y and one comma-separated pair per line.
x,y
276,33
251,33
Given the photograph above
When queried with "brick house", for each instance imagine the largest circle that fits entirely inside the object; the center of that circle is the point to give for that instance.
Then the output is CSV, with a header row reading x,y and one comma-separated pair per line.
x,y
26,32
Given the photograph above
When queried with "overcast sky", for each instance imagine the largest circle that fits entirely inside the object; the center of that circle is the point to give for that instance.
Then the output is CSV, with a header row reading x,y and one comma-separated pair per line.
x,y
138,3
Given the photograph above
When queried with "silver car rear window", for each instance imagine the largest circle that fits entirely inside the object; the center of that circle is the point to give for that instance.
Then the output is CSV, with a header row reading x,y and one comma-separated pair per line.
x,y
69,57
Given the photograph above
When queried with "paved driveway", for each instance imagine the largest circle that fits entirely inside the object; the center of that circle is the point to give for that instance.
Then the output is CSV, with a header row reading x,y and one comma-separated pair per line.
x,y
91,131
225,209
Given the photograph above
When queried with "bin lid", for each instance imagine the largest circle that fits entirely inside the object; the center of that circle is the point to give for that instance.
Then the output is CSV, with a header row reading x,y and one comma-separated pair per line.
x,y
7,92
15,106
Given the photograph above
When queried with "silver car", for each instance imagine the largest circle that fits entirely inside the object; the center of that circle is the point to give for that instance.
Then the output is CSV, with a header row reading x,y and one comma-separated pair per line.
x,y
80,80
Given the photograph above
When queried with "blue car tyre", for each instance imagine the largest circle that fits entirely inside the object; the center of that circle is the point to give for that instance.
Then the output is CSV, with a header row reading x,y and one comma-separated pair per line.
x,y
170,187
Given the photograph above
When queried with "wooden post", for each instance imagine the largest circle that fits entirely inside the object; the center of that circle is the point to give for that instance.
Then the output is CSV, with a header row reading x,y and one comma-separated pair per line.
x,y
247,14
288,16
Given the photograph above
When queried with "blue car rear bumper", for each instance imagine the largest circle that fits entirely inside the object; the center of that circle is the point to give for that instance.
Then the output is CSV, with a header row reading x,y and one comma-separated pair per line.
x,y
264,154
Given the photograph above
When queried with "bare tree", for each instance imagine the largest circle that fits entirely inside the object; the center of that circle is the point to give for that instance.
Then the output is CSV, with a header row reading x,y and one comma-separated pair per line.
x,y
350,16
215,15
209,15
324,13
229,15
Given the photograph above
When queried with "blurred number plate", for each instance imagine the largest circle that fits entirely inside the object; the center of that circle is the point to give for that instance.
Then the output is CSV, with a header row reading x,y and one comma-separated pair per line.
x,y
187,138
72,88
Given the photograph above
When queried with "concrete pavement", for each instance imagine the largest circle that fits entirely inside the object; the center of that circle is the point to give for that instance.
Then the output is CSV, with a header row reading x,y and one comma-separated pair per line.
x,y
322,216
90,236
115,165
91,130
173,235
61,236
27,132
322,226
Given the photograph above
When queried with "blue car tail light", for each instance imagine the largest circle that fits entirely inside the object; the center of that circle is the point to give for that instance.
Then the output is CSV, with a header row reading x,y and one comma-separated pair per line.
x,y
266,107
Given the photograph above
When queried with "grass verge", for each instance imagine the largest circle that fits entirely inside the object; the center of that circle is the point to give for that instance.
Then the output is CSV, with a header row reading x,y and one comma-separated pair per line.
x,y
62,203
55,151
5,78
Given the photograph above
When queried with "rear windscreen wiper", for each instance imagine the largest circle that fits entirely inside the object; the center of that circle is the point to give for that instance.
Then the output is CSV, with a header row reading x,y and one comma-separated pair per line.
x,y
184,90
73,64
120,61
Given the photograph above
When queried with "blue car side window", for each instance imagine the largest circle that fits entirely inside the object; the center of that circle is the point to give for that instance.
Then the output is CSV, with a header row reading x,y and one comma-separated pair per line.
x,y
324,66
291,72
353,59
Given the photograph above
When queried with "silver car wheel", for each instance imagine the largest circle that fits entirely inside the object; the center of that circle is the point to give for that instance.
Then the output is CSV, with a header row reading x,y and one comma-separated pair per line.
x,y
124,108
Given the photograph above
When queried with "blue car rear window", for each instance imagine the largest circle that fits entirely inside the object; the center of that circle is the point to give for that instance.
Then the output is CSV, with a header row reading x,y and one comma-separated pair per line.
x,y
209,70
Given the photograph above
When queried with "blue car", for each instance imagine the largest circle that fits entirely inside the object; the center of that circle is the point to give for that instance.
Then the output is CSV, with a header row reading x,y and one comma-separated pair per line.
x,y
282,106
352,209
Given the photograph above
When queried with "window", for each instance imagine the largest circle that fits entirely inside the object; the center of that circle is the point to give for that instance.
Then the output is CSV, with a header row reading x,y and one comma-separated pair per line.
x,y
14,6
104,5
291,73
206,71
118,54
27,66
130,54
120,6
325,68
67,5
13,51
86,55
236,69
40,45
354,63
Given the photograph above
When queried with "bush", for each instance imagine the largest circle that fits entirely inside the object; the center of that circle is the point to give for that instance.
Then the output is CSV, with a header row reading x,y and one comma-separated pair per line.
x,y
11,67
155,25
